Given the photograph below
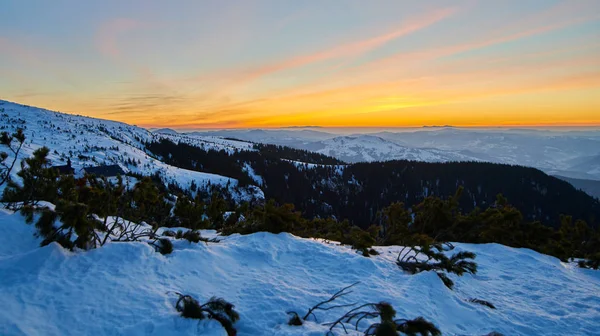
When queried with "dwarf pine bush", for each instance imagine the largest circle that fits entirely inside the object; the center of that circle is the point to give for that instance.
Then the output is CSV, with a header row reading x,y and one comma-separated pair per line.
x,y
216,308
387,325
431,257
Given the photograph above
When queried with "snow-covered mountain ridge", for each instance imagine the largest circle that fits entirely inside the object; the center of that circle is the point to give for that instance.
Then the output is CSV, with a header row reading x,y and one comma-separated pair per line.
x,y
568,153
368,148
127,288
91,142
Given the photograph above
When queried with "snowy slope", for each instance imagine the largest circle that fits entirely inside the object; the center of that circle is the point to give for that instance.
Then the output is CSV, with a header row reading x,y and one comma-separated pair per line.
x,y
207,142
90,142
285,137
305,165
165,131
368,148
122,288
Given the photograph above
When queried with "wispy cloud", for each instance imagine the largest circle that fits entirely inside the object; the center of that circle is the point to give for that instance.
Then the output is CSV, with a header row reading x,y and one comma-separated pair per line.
x,y
351,49
108,35
223,67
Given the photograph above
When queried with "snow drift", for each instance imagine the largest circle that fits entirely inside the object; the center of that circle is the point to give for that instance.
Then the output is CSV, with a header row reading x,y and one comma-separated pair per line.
x,y
124,288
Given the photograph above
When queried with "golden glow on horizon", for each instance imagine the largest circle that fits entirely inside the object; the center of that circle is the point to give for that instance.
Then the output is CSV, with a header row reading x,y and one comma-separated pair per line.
x,y
542,69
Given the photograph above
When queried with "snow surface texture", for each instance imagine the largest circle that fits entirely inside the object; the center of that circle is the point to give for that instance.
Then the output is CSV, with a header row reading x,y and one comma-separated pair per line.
x,y
91,142
123,288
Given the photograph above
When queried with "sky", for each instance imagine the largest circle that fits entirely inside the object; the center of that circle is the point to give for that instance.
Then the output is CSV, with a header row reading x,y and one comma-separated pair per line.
x,y
279,63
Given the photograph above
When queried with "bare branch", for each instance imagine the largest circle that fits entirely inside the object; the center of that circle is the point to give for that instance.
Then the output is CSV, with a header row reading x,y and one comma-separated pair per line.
x,y
337,295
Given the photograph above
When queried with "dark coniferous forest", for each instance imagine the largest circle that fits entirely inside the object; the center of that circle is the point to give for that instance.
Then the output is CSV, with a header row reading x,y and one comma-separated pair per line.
x,y
323,187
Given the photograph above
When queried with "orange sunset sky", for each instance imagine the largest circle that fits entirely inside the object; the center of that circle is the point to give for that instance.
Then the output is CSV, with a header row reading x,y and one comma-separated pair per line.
x,y
238,64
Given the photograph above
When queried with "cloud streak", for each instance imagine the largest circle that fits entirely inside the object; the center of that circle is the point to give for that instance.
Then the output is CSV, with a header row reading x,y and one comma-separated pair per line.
x,y
217,66
109,33
352,49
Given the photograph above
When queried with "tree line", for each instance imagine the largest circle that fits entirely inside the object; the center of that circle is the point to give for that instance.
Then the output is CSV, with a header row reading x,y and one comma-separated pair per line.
x,y
84,204
358,192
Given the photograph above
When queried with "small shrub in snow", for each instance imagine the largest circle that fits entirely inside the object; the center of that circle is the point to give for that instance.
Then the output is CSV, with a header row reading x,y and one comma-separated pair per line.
x,y
189,307
163,245
216,308
191,236
387,326
360,240
295,319
483,303
436,260
417,326
373,252
592,263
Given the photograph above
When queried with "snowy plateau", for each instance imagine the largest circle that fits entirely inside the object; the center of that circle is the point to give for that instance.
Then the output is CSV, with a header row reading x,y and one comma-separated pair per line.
x,y
127,288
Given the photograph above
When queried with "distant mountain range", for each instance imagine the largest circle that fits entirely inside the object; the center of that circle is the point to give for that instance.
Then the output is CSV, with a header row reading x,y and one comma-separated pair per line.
x,y
369,148
591,187
328,187
574,154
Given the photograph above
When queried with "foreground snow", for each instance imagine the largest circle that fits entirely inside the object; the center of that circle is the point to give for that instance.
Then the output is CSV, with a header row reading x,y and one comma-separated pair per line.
x,y
123,288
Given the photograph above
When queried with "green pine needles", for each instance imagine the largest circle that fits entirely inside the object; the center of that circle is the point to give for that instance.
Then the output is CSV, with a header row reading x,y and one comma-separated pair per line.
x,y
431,257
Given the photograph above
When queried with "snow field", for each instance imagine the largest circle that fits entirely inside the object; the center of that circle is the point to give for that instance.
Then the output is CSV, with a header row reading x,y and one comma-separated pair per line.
x,y
123,288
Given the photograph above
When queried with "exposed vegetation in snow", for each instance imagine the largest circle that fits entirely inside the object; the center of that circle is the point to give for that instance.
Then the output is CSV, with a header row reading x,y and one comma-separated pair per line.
x,y
51,291
135,249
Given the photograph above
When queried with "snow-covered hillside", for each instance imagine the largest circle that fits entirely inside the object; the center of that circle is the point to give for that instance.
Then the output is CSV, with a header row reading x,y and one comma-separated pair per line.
x,y
284,137
126,288
567,153
91,142
207,142
573,153
368,148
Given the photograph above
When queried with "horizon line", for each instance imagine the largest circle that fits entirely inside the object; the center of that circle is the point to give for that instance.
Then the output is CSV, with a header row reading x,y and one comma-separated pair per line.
x,y
449,125
377,127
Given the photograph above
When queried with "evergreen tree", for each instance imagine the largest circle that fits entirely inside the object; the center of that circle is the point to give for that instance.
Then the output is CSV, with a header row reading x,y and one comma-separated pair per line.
x,y
148,204
501,223
14,143
189,214
395,220
216,210
38,181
